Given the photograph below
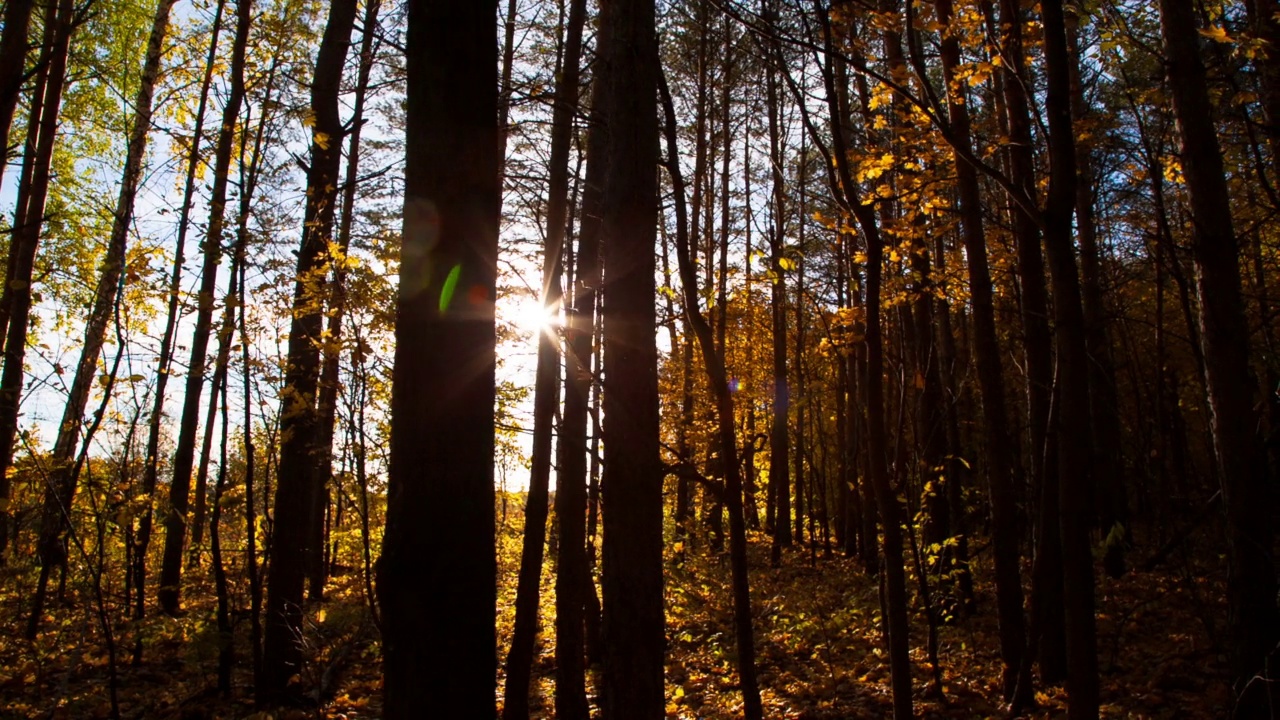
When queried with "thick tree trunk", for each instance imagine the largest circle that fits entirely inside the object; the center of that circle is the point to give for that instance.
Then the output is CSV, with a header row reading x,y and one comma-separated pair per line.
x,y
1254,623
437,579
632,633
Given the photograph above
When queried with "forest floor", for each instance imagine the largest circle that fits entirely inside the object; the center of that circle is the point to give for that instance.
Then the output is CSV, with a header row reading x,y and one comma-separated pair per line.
x,y
817,624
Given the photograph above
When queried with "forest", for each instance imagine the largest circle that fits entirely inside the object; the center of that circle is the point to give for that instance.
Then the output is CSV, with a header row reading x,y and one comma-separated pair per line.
x,y
809,359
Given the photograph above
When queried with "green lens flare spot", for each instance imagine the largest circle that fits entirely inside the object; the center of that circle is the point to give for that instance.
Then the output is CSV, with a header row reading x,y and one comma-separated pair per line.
x,y
450,284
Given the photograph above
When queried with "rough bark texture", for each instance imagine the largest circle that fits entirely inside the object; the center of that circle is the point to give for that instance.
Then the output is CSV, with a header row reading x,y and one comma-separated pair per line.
x,y
632,604
437,578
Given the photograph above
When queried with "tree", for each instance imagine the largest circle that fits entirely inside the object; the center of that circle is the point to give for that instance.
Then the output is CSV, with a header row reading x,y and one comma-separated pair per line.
x,y
718,378
546,398
175,524
299,486
1074,438
632,604
28,220
437,574
1253,619
151,467
63,474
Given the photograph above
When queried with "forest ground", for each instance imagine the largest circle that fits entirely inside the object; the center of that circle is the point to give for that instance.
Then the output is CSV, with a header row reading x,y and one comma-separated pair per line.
x,y
817,625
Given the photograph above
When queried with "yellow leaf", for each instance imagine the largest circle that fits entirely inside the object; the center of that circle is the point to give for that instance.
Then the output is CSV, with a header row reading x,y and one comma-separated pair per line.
x,y
321,139
1217,34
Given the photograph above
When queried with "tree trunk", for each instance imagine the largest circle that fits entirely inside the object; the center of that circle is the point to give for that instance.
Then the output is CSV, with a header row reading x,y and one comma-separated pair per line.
x,y
13,61
718,379
1074,446
632,604
298,486
28,220
1112,500
331,350
150,470
175,523
779,455
62,480
1254,624
437,579
547,382
894,583
1000,480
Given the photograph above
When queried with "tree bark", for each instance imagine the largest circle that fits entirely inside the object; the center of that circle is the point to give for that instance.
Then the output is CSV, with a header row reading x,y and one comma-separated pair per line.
x,y
28,220
13,61
1074,439
632,604
62,479
437,579
1000,481
718,379
150,470
331,349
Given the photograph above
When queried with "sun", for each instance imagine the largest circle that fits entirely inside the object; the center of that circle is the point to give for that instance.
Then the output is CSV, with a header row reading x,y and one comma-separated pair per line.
x,y
532,318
